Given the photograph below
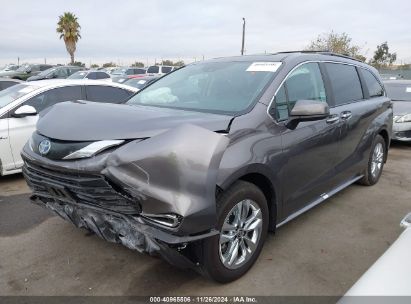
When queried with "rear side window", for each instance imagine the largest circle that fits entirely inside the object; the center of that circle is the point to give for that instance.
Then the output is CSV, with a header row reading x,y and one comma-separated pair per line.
x,y
51,97
91,75
139,71
375,89
153,69
101,75
106,94
344,82
304,83
166,69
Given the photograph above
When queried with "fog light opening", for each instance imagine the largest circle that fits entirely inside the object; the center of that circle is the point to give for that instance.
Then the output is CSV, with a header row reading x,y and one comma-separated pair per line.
x,y
169,220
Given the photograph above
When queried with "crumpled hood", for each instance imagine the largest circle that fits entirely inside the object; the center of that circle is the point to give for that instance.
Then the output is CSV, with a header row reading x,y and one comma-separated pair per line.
x,y
401,107
90,121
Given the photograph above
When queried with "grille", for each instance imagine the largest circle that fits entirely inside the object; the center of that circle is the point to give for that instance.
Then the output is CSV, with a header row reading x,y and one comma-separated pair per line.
x,y
72,187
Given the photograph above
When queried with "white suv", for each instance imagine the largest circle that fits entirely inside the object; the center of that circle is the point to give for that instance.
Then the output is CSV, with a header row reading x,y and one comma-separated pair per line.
x,y
20,105
160,69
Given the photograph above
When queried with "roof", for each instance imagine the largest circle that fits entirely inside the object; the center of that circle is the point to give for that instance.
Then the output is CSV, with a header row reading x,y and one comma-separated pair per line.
x,y
293,55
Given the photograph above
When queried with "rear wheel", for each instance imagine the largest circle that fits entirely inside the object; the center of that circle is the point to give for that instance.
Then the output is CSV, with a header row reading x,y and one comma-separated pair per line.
x,y
375,163
243,224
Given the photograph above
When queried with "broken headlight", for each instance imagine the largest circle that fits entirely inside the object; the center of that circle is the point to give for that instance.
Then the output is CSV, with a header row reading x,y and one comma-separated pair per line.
x,y
93,148
169,220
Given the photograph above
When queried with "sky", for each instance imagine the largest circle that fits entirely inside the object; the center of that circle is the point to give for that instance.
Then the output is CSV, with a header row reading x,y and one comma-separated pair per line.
x,y
151,30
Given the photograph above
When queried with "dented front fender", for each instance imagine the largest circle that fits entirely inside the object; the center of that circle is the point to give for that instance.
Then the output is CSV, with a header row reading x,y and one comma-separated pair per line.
x,y
174,172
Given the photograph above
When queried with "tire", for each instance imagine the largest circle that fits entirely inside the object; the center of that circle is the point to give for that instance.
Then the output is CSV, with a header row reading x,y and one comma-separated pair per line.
x,y
252,200
371,177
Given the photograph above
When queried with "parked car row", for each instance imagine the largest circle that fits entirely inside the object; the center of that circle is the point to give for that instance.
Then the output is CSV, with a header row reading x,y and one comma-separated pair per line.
x,y
32,72
199,165
25,71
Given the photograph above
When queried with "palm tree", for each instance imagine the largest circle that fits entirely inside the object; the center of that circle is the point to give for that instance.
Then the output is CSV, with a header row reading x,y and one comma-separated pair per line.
x,y
69,29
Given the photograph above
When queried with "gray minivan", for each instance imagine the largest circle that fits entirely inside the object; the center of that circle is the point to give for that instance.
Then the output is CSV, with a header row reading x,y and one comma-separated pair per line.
x,y
201,164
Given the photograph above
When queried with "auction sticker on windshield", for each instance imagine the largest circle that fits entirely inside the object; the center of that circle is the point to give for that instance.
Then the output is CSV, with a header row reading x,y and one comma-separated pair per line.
x,y
264,67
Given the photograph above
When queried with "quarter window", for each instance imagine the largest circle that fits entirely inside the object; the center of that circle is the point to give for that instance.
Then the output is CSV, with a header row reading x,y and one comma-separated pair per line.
x,y
166,70
375,89
304,83
345,83
101,75
107,94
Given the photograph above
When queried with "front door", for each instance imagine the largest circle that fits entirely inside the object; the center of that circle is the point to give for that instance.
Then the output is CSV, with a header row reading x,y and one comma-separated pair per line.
x,y
6,157
308,171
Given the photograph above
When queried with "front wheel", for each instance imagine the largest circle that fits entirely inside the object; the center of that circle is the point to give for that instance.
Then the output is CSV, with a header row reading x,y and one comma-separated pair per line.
x,y
375,162
243,224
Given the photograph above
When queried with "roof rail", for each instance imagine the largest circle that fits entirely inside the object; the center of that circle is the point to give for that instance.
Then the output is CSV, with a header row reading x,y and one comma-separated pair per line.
x,y
325,52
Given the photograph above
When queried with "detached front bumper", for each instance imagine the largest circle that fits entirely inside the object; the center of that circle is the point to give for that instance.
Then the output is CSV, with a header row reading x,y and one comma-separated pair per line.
x,y
92,202
126,230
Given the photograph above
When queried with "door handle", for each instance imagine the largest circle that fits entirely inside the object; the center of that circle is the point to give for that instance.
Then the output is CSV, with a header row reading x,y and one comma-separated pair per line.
x,y
332,119
346,115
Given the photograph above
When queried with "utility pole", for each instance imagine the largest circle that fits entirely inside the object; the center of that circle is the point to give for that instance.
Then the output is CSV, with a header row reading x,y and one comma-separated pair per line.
x,y
242,43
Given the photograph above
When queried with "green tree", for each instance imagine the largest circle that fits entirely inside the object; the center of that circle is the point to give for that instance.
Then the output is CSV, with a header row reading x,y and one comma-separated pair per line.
x,y
94,66
138,64
109,64
382,56
179,63
171,63
78,63
336,43
69,30
167,62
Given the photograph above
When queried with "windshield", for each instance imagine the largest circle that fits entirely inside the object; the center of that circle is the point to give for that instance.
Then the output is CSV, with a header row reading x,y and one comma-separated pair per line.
x,y
399,92
119,71
23,68
217,87
77,75
47,72
12,93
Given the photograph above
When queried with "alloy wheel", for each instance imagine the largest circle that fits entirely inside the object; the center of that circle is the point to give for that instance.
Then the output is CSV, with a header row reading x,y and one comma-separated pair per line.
x,y
377,160
240,234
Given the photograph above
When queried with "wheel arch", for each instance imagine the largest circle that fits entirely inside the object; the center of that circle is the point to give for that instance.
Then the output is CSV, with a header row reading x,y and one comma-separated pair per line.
x,y
262,178
384,133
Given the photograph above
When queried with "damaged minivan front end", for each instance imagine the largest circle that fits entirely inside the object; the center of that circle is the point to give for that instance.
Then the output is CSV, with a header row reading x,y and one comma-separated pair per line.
x,y
151,194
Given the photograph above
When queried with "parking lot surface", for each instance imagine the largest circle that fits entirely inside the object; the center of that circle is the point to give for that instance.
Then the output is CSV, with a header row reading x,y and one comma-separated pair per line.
x,y
323,252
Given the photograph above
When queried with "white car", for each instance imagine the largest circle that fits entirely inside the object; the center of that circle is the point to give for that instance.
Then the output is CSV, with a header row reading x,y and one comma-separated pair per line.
x,y
389,276
159,70
20,105
93,75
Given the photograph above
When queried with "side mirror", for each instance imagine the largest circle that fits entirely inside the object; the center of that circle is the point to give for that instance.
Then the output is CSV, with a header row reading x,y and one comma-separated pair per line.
x,y
406,221
307,110
24,111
